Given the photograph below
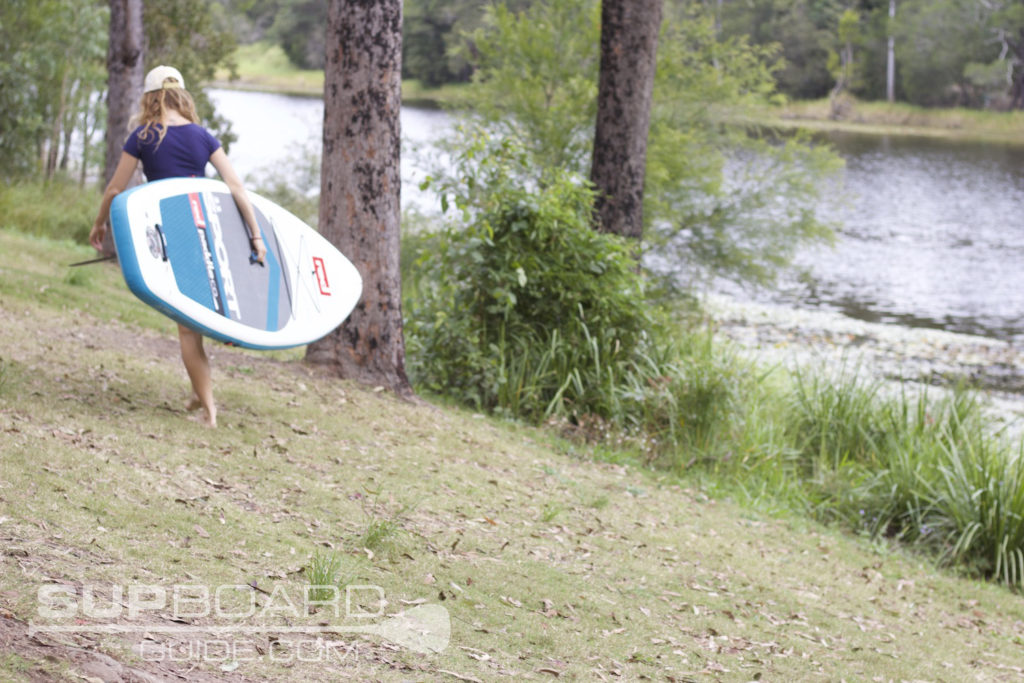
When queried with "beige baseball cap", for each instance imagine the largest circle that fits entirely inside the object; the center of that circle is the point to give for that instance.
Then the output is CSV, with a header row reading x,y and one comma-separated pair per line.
x,y
156,77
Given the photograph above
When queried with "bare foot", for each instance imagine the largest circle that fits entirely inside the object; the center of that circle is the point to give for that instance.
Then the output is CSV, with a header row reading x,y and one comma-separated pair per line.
x,y
206,419
193,404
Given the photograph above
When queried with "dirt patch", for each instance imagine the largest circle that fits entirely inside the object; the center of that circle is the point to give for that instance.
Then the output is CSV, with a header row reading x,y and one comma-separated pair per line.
x,y
52,658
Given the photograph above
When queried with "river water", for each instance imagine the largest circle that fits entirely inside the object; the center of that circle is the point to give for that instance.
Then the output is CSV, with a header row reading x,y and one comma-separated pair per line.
x,y
931,233
932,236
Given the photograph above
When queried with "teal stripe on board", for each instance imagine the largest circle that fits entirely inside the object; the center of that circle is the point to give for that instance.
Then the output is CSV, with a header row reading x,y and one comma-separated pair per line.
x,y
274,286
185,251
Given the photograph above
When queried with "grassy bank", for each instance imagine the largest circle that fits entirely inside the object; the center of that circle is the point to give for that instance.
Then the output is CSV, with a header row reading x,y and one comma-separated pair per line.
x,y
548,560
881,118
266,68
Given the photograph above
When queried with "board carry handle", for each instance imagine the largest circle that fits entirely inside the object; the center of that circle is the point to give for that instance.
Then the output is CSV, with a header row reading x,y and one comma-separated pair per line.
x,y
163,241
252,259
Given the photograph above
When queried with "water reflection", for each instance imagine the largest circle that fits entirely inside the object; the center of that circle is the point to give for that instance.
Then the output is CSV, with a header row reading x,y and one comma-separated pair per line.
x,y
930,237
282,135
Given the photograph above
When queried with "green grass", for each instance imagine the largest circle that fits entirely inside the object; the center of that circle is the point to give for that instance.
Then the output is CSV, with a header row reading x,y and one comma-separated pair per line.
x,y
549,559
899,118
59,209
265,67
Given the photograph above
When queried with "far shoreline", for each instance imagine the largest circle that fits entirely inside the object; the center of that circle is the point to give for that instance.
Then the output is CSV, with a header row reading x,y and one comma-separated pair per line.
x,y
417,97
874,119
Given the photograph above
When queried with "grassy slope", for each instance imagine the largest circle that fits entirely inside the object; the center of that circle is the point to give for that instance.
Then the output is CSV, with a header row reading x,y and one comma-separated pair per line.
x,y
548,562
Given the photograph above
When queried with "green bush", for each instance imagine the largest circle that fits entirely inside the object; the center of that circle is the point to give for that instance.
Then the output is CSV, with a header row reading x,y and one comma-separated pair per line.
x,y
522,306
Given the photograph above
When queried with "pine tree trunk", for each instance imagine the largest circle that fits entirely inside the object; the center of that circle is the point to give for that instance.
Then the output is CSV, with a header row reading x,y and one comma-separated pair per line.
x,y
360,186
126,69
629,42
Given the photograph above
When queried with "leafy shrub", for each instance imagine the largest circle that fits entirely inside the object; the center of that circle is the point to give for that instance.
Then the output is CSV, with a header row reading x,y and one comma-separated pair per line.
x,y
523,307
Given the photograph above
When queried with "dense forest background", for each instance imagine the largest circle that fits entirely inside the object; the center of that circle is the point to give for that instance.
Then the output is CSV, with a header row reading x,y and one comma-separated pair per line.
x,y
947,52
966,53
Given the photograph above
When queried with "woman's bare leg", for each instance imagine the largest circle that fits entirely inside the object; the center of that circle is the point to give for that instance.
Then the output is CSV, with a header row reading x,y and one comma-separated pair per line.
x,y
198,367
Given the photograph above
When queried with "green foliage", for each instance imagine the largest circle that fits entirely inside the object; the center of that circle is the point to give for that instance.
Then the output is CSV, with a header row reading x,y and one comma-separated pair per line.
x,y
436,35
682,399
190,35
297,26
52,56
722,200
300,29
929,473
536,78
59,209
941,480
938,39
719,200
53,70
802,31
935,40
524,306
518,306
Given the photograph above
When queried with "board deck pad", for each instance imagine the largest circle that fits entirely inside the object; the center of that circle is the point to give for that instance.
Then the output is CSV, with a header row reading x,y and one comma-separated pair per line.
x,y
192,226
184,249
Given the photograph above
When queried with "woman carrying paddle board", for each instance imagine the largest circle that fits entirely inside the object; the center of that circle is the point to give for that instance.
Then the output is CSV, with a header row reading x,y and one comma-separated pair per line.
x,y
170,143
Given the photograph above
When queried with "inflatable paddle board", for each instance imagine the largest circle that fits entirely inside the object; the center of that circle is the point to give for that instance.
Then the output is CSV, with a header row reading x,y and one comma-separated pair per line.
x,y
184,250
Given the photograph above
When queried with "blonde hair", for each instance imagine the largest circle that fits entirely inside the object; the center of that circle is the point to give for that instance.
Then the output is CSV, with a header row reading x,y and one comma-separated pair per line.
x,y
154,107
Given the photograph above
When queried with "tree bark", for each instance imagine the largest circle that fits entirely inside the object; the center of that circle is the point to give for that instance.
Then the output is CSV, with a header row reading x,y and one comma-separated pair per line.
x,y
1017,84
126,69
629,43
890,57
360,186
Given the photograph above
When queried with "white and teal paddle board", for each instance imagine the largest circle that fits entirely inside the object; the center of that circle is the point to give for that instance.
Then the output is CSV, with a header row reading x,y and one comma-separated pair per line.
x,y
184,250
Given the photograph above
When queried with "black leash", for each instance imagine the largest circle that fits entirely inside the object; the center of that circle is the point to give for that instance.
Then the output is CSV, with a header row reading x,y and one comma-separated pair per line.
x,y
95,260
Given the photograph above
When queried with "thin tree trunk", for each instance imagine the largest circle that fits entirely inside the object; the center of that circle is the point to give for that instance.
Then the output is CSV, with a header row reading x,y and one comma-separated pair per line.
x,y
1017,85
360,186
126,69
90,122
53,151
629,42
890,61
69,125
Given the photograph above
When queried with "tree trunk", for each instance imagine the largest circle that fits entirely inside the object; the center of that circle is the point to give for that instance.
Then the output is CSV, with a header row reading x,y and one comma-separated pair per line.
x,y
1017,84
53,149
360,186
890,57
126,69
629,42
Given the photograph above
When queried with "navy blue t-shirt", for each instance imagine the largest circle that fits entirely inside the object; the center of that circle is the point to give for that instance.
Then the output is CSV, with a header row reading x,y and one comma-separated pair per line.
x,y
183,153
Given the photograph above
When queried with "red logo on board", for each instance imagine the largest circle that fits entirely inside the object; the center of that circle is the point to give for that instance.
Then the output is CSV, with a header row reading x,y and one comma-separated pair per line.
x,y
197,211
321,276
